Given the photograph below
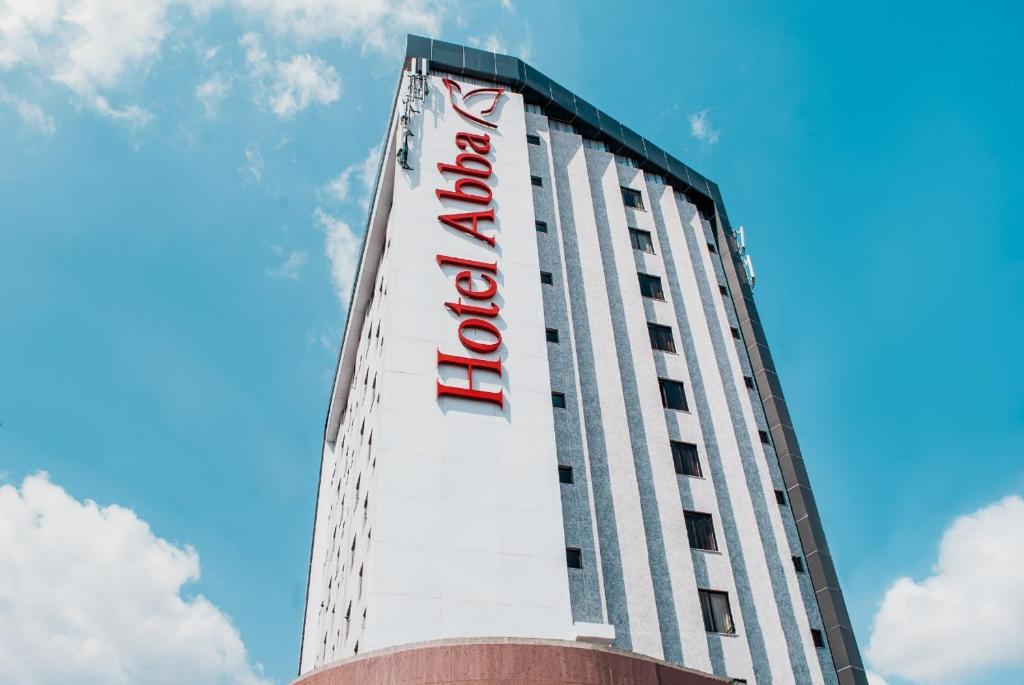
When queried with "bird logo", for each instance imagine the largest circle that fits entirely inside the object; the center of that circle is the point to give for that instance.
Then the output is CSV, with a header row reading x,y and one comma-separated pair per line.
x,y
461,101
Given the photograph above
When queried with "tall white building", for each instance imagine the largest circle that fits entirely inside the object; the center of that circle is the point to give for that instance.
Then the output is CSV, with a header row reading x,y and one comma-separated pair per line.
x,y
555,415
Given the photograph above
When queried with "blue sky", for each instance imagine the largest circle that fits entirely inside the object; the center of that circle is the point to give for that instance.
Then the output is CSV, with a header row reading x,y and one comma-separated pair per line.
x,y
182,189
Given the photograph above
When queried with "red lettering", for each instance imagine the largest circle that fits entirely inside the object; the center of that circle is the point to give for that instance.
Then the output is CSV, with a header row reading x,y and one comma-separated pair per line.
x,y
460,166
467,223
480,142
468,291
462,309
469,392
476,345
459,194
443,259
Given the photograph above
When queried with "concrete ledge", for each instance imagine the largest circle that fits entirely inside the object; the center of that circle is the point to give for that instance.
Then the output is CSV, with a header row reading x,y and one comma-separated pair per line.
x,y
501,661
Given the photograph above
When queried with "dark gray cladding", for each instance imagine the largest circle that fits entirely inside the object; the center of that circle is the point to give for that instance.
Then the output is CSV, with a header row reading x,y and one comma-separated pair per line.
x,y
559,103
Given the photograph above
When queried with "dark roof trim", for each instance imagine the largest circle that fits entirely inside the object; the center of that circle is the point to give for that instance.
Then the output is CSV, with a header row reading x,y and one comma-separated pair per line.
x,y
560,103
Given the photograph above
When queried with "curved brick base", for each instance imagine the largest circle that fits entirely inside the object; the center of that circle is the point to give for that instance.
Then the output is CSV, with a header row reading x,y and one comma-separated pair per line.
x,y
504,662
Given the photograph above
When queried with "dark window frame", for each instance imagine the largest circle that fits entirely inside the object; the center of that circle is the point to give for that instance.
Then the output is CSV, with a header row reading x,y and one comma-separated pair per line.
x,y
663,385
700,531
565,474
632,198
651,280
684,455
541,226
536,181
547,278
551,334
533,139
574,557
714,621
662,338
635,239
558,400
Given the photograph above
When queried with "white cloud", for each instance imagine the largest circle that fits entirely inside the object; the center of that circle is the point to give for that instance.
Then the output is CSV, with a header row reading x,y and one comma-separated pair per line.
x,y
252,170
968,616
341,246
31,114
365,171
492,43
289,87
701,128
373,24
302,81
212,92
290,267
95,46
89,595
875,679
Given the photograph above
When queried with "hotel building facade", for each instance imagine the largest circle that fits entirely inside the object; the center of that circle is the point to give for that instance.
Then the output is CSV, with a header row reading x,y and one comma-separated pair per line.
x,y
555,422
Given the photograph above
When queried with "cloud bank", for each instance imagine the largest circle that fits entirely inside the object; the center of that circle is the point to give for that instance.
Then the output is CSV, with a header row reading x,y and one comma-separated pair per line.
x,y
89,595
968,616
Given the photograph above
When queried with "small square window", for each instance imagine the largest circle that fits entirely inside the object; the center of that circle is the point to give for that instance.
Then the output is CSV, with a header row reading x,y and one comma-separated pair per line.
x,y
714,606
537,181
798,564
765,440
700,530
684,456
722,289
673,395
641,240
735,332
650,286
712,248
749,382
817,638
632,198
558,400
573,557
565,475
546,278
542,226
661,337
551,334
532,139
780,498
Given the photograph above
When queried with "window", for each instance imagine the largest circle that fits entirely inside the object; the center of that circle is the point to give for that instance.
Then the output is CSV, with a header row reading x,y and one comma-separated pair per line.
x,y
700,529
532,139
684,455
749,382
817,638
565,475
542,226
573,557
546,278
632,198
765,440
650,286
673,395
798,564
551,334
722,289
711,248
558,400
717,615
735,332
780,498
661,337
641,240
537,181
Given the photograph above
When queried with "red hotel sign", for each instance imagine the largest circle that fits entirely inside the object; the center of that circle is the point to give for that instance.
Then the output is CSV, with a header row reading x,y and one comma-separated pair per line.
x,y
476,280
